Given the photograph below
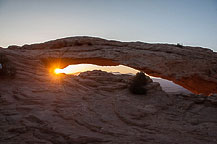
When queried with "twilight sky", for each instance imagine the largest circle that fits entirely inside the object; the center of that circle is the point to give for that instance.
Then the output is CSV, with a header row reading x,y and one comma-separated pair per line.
x,y
190,22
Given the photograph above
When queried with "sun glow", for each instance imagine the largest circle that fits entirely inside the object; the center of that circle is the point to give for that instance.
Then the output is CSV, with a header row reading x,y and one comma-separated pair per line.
x,y
58,71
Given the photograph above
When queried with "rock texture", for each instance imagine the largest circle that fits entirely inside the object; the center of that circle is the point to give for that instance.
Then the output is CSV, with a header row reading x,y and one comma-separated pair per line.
x,y
191,67
37,106
97,107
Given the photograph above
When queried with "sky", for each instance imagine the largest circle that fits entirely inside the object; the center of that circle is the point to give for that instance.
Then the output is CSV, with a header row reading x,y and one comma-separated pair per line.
x,y
189,22
74,69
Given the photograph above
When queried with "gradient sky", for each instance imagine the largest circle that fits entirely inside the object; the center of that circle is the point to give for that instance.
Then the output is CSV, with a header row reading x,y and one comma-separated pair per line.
x,y
190,22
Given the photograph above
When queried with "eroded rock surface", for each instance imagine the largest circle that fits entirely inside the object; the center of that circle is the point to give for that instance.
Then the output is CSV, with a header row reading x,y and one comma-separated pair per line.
x,y
194,68
97,107
37,106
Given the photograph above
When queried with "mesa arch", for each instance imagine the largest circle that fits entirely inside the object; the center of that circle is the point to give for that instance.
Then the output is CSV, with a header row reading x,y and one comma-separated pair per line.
x,y
194,68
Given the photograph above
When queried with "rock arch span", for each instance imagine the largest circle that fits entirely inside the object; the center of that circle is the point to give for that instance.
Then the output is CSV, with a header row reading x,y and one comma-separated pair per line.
x,y
194,68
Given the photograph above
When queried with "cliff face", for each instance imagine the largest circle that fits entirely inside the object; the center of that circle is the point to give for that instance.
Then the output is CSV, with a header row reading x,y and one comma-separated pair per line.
x,y
191,67
37,106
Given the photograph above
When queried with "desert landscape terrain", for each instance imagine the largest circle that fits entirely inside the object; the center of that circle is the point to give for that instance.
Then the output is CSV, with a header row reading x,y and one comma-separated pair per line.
x,y
39,106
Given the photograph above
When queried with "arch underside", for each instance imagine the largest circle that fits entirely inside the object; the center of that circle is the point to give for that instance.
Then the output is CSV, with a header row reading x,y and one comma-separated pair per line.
x,y
193,68
194,83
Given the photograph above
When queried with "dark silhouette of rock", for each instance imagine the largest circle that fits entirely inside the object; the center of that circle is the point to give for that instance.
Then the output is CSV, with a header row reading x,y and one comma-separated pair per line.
x,y
138,83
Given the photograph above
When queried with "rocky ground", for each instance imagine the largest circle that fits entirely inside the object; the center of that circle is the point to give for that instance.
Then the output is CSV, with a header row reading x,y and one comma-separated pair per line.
x,y
97,107
37,106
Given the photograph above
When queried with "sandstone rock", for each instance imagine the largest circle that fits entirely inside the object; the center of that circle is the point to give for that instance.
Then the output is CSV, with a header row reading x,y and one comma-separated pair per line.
x,y
153,86
191,67
97,107
212,98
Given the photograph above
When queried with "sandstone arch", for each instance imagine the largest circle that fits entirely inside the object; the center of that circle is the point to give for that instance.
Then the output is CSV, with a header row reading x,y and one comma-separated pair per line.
x,y
194,68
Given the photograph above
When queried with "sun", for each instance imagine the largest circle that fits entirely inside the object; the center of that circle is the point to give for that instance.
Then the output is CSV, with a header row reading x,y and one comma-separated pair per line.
x,y
58,71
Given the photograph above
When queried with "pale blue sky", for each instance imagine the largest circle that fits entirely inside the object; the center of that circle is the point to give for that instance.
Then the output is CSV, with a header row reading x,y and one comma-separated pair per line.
x,y
190,22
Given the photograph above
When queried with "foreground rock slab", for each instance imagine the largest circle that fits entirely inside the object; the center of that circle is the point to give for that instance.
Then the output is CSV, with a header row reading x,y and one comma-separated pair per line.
x,y
97,107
